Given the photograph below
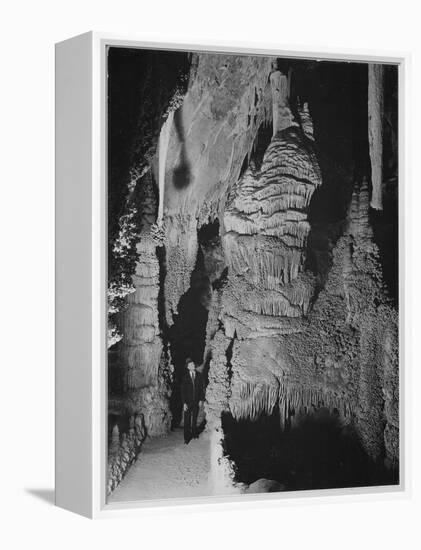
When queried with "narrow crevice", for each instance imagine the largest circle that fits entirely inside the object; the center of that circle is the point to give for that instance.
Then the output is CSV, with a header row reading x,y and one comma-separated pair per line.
x,y
188,332
261,143
228,355
187,335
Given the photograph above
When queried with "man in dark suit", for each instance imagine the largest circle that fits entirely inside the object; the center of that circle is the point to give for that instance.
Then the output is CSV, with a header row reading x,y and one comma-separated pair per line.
x,y
192,394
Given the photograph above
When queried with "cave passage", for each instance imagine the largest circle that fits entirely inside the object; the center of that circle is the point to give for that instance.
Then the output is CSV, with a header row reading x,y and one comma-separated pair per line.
x,y
317,452
187,336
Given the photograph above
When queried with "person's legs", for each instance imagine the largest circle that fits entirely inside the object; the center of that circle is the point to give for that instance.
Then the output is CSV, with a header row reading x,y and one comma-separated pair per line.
x,y
187,426
195,413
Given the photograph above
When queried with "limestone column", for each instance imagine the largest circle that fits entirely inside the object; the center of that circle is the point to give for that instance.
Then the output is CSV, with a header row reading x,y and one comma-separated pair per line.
x,y
375,132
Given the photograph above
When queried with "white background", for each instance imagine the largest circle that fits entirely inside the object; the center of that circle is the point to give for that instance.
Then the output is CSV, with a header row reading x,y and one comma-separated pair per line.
x,y
29,30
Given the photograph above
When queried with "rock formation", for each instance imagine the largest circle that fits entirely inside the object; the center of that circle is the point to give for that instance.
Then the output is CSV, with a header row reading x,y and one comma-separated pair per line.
x,y
375,132
256,237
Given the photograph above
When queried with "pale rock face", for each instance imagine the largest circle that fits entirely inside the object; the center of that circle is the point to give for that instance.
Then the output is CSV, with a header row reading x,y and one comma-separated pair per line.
x,y
341,355
266,234
282,114
227,101
266,220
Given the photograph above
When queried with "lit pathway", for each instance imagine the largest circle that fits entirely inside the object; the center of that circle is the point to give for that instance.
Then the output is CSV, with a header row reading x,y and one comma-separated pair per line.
x,y
167,468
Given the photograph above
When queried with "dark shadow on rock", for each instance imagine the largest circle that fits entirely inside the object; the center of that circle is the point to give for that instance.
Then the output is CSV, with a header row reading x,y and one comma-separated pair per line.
x,y
47,495
187,336
182,173
337,100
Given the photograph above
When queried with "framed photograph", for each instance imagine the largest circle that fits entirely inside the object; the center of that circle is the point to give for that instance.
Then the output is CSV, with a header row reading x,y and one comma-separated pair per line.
x,y
229,274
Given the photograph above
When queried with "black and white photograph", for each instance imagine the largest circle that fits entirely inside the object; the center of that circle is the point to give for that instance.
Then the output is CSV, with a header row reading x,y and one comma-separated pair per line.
x,y
253,274
211,266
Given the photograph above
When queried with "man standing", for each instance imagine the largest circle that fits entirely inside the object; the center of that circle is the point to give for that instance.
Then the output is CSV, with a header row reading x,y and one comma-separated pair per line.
x,y
192,391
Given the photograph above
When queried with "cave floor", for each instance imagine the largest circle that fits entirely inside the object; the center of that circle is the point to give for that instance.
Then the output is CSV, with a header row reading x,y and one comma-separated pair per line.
x,y
167,468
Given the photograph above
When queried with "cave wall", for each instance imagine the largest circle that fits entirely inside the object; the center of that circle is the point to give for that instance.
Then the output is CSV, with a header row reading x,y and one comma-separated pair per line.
x,y
143,88
124,445
141,357
299,316
138,369
342,355
227,101
295,339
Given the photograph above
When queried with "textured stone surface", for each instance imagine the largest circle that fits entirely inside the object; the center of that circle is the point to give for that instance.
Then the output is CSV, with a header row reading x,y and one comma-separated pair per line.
x,y
227,101
141,364
243,154
123,450
342,355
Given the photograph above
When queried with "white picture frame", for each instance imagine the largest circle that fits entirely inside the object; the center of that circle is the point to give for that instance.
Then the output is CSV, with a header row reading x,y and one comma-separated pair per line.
x,y
81,275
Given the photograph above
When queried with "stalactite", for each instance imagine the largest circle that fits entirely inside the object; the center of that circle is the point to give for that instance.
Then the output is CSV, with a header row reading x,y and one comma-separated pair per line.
x,y
249,400
164,138
375,132
267,346
359,223
282,114
266,217
308,399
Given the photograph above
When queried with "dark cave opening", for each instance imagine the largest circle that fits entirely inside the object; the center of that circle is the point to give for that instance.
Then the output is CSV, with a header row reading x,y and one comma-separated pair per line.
x,y
317,451
187,336
208,233
337,95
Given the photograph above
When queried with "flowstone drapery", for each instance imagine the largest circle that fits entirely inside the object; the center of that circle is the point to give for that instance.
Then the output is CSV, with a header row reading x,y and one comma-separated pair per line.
x,y
256,222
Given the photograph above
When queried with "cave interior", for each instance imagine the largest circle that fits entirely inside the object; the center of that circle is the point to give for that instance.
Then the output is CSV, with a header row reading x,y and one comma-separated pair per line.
x,y
312,446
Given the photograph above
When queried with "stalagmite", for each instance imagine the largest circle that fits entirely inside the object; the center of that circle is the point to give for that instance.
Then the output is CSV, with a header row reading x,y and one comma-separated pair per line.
x,y
222,474
266,217
141,349
306,122
115,440
375,132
